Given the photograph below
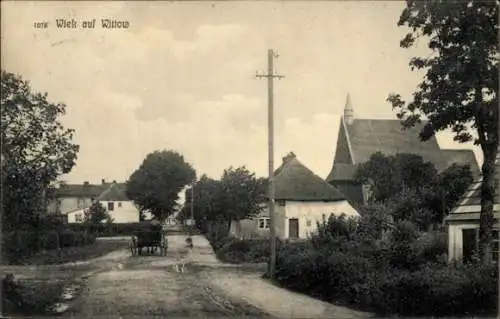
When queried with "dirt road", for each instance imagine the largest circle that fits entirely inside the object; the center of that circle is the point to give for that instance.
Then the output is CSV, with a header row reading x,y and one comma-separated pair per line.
x,y
149,287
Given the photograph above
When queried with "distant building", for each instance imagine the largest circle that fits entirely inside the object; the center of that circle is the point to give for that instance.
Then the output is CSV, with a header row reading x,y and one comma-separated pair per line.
x,y
463,221
71,197
72,200
302,199
358,139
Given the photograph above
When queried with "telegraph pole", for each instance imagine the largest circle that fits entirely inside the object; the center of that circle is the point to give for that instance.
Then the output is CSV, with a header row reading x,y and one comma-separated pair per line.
x,y
270,122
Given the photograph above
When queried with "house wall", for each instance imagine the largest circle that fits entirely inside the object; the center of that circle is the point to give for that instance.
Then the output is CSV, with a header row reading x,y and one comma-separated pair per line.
x,y
455,237
304,211
127,213
250,227
68,204
314,212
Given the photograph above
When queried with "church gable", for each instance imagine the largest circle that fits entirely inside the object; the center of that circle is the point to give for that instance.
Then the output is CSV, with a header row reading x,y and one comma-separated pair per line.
x,y
342,152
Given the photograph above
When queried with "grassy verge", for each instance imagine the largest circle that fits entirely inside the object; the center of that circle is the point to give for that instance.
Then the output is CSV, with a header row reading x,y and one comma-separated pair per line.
x,y
36,296
71,254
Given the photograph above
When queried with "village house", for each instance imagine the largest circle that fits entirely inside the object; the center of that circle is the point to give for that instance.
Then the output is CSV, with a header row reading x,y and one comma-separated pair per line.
x,y
358,139
463,221
71,197
72,200
301,200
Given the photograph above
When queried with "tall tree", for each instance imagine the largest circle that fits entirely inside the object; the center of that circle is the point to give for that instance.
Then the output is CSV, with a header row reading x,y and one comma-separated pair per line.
x,y
412,189
460,87
36,149
156,184
207,195
242,194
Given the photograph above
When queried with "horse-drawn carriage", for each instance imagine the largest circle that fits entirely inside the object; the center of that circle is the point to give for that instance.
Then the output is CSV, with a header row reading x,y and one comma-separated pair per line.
x,y
150,238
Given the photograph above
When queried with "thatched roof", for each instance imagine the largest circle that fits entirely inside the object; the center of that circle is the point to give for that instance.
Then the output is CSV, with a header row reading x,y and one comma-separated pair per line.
x,y
469,208
294,181
363,137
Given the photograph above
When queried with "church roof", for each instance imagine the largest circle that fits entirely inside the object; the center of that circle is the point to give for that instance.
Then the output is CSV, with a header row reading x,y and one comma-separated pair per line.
x,y
363,137
294,181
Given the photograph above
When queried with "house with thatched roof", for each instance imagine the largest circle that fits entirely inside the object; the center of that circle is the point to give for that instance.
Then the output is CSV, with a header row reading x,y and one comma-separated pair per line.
x,y
463,221
358,139
302,198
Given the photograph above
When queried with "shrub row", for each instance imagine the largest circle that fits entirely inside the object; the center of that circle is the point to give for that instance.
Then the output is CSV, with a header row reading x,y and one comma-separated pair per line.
x,y
20,244
433,289
125,229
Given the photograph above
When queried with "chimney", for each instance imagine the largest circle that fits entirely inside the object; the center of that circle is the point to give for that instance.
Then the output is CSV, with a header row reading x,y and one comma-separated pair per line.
x,y
103,181
288,157
348,111
114,182
86,183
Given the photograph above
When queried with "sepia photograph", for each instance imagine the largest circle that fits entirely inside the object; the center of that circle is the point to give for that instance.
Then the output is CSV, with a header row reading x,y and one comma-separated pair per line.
x,y
250,159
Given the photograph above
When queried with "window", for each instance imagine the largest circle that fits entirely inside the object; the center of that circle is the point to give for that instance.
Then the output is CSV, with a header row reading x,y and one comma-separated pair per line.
x,y
308,223
280,203
80,203
79,217
119,204
111,206
263,223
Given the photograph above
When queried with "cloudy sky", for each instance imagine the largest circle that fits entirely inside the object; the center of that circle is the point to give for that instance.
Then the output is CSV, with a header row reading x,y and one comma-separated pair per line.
x,y
182,77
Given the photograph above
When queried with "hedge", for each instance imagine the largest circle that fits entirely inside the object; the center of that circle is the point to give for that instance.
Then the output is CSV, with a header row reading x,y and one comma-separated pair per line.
x,y
400,278
19,244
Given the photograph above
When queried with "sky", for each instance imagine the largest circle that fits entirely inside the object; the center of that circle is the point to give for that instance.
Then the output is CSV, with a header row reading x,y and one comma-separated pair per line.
x,y
182,77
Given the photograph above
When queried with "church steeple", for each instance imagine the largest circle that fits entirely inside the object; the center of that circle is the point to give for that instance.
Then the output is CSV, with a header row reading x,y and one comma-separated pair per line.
x,y
348,111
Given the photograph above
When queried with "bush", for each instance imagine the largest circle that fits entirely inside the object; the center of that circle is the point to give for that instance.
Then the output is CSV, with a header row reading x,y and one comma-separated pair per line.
x,y
18,245
405,274
236,251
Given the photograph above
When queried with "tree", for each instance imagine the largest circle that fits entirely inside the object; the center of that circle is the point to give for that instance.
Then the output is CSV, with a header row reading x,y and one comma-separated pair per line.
x,y
460,87
242,194
156,184
389,175
36,149
207,195
95,215
412,189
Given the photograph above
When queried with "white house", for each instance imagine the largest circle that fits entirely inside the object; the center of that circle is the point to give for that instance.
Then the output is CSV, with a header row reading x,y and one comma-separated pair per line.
x,y
463,222
301,200
119,207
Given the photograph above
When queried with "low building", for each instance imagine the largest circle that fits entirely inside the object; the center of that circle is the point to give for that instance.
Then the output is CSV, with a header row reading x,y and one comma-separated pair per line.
x,y
463,221
301,200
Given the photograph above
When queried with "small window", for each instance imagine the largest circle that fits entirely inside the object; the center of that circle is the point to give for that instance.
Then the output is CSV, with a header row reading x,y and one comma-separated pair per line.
x,y
308,223
280,203
111,206
264,223
80,203
119,204
78,217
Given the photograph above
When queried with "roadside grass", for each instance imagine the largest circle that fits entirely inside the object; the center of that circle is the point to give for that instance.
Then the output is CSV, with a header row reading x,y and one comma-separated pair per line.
x,y
72,254
36,296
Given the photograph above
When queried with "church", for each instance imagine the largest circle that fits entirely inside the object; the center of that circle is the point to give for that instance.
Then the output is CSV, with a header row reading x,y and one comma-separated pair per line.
x,y
359,138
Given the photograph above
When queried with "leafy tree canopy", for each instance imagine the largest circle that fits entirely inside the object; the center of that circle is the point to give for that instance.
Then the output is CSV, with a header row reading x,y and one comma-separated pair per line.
x,y
242,193
460,86
36,149
156,184
96,214
412,188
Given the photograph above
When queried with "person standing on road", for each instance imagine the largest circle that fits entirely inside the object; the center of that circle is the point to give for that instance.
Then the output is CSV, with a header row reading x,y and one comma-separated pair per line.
x,y
184,256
